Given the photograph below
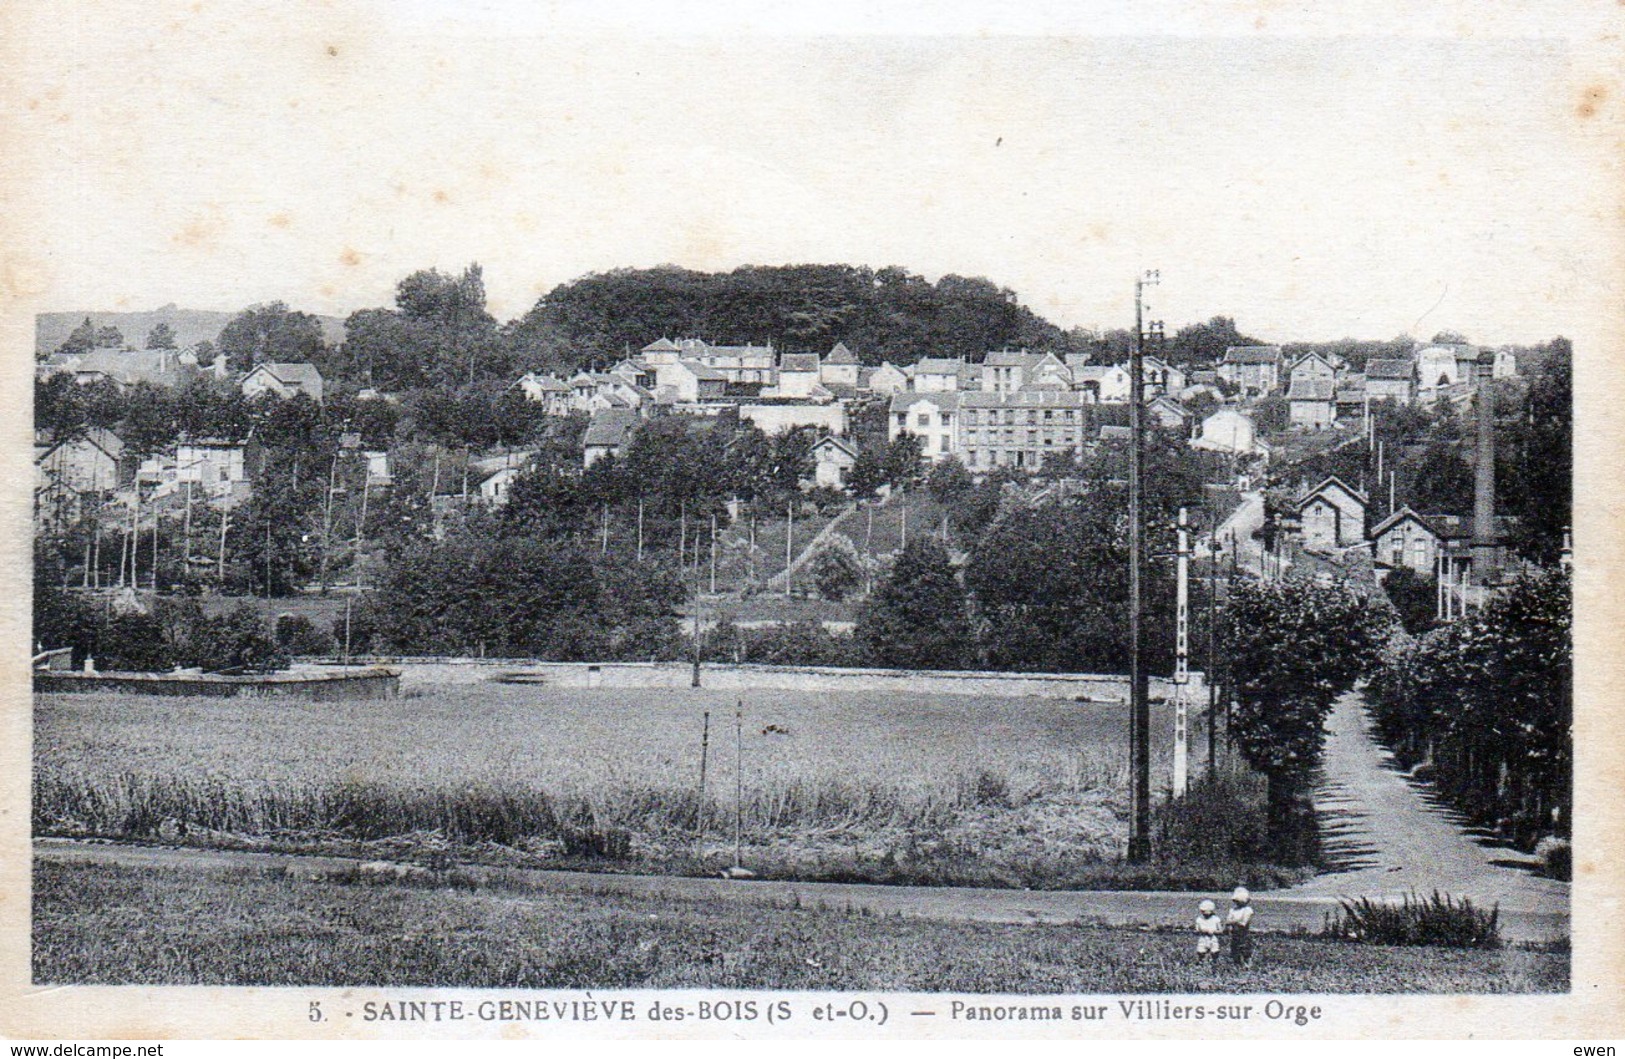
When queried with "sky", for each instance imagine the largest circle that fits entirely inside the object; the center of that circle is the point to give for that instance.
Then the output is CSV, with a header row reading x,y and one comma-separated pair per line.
x,y
1424,173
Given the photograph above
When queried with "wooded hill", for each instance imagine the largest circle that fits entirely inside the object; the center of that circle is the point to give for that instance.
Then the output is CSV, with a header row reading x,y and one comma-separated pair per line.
x,y
890,314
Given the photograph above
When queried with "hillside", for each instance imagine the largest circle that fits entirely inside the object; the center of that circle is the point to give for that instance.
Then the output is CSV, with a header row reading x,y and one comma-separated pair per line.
x,y
190,325
886,314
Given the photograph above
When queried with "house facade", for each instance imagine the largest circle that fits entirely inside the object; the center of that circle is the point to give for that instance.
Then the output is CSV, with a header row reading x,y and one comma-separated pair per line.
x,y
1332,515
1254,369
1021,429
932,417
833,460
1312,403
1406,540
286,380
1390,380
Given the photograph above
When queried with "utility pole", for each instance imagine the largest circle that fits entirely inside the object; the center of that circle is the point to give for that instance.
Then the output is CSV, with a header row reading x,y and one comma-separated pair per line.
x,y
327,518
640,529
1182,663
1139,842
220,566
1212,648
713,555
789,540
603,547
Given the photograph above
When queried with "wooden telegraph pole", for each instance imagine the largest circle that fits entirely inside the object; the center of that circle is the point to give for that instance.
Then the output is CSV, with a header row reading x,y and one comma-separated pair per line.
x,y
1139,842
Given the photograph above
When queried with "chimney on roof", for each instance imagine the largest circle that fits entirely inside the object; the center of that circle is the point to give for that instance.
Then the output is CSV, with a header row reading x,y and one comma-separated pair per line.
x,y
1486,557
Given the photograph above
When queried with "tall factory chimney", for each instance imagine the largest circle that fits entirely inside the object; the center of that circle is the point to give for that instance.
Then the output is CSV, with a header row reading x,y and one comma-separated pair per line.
x,y
1486,549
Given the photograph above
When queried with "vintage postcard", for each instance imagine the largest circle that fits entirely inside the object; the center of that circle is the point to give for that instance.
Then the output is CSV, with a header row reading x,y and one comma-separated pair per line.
x,y
644,522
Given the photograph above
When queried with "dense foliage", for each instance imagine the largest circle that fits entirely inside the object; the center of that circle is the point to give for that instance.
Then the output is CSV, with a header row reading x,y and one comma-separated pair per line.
x,y
1487,704
916,618
1292,648
493,596
886,314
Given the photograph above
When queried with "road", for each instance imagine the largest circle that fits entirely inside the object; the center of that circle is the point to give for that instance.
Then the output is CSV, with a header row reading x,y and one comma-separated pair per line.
x,y
1387,835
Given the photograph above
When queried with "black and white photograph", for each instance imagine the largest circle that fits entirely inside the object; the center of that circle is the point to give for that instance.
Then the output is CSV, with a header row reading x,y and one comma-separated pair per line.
x,y
633,521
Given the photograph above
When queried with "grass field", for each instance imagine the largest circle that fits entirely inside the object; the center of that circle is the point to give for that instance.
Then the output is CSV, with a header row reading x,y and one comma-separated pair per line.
x,y
892,787
172,926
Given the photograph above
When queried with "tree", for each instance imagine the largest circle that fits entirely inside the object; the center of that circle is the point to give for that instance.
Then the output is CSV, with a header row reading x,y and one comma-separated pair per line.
x,y
1293,647
1440,481
162,336
916,618
949,483
270,333
1050,584
109,337
837,571
1537,474
1272,414
204,352
1488,702
1205,343
1415,599
81,340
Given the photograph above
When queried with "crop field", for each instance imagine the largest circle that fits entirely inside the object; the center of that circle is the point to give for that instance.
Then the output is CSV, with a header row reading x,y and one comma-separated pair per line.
x,y
857,785
174,926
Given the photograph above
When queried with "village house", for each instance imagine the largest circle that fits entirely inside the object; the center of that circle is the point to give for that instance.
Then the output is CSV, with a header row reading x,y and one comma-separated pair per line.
x,y
929,416
1169,414
1332,516
798,378
551,392
1312,402
286,380
1254,369
495,486
1006,371
1505,365
886,380
839,368
1020,429
688,382
220,468
833,460
1102,383
126,367
660,351
607,434
1391,379
1230,431
1407,540
1350,398
937,375
1442,365
90,463
739,365
1161,377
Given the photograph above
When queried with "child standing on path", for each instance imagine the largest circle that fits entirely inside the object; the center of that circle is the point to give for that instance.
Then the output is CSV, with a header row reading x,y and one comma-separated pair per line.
x,y
1238,922
1208,929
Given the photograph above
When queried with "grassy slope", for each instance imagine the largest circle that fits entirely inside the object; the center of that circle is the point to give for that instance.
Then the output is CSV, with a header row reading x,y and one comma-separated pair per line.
x,y
96,924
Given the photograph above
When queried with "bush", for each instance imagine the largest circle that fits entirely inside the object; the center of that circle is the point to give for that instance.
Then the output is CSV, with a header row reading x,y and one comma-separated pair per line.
x,y
837,571
1222,817
1438,920
296,635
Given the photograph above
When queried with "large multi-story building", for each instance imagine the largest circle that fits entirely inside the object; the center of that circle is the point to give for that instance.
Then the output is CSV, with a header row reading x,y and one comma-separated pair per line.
x,y
1021,429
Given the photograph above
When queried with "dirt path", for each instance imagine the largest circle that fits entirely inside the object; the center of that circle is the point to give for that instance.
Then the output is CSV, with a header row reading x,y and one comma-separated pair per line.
x,y
950,904
1388,835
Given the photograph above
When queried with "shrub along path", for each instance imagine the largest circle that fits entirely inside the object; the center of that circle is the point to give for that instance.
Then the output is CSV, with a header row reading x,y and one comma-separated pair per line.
x,y
1387,835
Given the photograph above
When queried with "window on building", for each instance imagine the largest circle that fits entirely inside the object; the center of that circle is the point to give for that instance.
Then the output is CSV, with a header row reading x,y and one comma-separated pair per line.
x,y
923,419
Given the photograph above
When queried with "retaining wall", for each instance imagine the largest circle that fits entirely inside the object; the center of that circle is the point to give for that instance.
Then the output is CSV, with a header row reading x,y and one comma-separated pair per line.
x,y
1089,686
372,683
